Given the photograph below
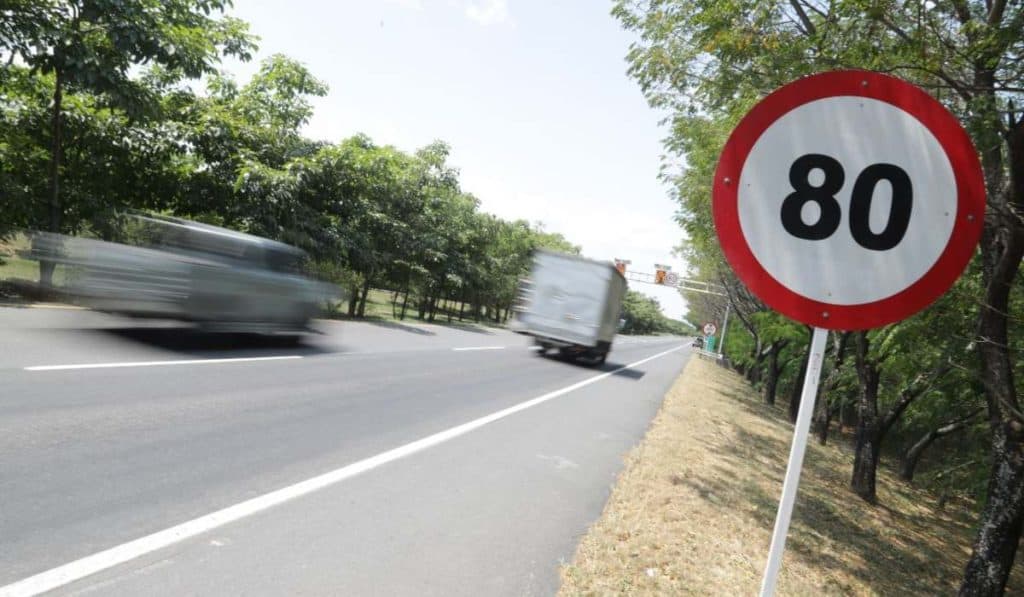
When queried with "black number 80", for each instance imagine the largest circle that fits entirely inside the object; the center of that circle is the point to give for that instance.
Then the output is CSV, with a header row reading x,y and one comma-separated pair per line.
x,y
860,202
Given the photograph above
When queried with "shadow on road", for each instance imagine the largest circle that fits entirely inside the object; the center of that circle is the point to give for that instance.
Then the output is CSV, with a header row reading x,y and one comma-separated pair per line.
x,y
616,369
466,327
193,342
628,373
394,325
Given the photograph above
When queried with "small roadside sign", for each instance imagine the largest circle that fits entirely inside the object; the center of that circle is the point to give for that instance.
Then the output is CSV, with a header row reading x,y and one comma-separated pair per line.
x,y
710,329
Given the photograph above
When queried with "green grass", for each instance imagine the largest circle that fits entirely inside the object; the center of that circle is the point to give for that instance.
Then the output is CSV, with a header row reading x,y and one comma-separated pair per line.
x,y
378,307
14,267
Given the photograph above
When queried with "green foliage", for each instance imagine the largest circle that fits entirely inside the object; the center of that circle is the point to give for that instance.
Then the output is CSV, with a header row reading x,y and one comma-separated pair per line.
x,y
643,315
136,138
705,62
93,45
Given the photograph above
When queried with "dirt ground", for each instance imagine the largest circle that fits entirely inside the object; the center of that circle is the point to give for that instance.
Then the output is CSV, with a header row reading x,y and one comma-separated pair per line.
x,y
692,512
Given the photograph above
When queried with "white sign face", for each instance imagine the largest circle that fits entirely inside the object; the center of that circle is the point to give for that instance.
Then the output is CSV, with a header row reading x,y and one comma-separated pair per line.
x,y
671,279
710,329
854,183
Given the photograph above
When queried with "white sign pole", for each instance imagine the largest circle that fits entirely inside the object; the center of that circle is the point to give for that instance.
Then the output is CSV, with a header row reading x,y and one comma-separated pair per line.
x,y
796,461
725,328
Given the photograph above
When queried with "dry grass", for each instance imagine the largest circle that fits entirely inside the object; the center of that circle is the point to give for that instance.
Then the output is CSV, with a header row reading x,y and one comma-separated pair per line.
x,y
693,510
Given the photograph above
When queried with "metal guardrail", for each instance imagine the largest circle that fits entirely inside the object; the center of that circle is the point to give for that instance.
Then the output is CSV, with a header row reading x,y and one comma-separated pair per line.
x,y
681,283
707,354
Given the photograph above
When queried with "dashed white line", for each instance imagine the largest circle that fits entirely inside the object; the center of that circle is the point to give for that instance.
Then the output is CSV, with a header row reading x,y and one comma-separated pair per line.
x,y
479,348
81,568
158,363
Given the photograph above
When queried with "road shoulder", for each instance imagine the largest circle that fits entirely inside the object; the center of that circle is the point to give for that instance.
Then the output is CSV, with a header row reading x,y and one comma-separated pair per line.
x,y
693,510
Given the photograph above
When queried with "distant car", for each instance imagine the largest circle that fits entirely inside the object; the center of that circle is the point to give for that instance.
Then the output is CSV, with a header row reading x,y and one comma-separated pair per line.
x,y
220,279
698,342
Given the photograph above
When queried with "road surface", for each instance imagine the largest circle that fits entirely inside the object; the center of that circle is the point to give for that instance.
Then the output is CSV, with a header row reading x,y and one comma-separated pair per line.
x,y
374,459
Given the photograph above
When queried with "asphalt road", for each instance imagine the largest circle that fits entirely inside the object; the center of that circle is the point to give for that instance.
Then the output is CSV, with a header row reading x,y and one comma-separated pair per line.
x,y
374,459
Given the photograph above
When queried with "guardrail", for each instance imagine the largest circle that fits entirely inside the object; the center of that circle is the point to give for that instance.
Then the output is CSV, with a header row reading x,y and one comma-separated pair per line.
x,y
707,354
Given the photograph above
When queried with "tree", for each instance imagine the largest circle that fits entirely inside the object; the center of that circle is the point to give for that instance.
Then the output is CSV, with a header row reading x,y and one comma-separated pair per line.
x,y
908,463
643,315
706,62
91,46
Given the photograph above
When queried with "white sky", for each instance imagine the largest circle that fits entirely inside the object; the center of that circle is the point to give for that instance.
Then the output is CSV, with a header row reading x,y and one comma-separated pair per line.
x,y
531,95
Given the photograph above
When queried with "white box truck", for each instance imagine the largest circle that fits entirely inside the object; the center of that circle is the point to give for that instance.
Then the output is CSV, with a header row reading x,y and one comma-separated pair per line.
x,y
571,304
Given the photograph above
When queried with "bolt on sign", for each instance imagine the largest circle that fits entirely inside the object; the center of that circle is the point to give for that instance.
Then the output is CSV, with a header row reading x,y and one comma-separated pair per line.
x,y
846,200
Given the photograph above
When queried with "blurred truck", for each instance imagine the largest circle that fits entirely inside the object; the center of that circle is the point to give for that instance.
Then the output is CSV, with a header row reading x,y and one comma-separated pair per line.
x,y
169,268
570,304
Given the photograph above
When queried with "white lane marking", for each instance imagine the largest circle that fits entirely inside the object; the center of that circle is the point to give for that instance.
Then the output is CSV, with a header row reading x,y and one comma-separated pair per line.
x,y
97,562
479,348
158,363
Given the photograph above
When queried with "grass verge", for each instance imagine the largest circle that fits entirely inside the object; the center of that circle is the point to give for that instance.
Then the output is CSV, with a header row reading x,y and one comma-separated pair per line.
x,y
379,308
693,510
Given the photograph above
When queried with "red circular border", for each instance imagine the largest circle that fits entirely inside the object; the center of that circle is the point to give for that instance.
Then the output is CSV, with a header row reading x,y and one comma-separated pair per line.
x,y
929,112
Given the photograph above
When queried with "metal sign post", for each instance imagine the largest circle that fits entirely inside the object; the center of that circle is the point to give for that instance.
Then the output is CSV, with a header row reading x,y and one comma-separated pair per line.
x,y
796,462
725,328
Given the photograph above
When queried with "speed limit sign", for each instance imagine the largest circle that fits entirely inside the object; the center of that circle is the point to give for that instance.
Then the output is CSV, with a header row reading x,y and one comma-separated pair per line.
x,y
710,329
848,200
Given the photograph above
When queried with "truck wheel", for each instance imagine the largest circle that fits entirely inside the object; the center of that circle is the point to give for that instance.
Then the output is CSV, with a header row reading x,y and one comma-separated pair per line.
x,y
600,359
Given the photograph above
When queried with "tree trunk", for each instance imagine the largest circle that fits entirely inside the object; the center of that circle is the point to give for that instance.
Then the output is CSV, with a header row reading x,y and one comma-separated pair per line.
x,y
754,373
798,385
1002,247
868,434
865,464
353,301
362,299
999,534
46,266
824,423
433,309
405,304
908,463
822,419
825,410
774,371
462,309
421,307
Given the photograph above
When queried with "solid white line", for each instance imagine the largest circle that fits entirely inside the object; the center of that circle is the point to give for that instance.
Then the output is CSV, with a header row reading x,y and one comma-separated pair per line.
x,y
479,348
157,363
78,569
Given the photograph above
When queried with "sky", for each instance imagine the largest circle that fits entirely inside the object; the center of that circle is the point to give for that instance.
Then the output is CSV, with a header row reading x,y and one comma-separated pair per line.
x,y
531,95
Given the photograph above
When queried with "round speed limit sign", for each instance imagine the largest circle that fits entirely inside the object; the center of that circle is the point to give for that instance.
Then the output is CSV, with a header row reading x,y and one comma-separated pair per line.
x,y
710,329
848,200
